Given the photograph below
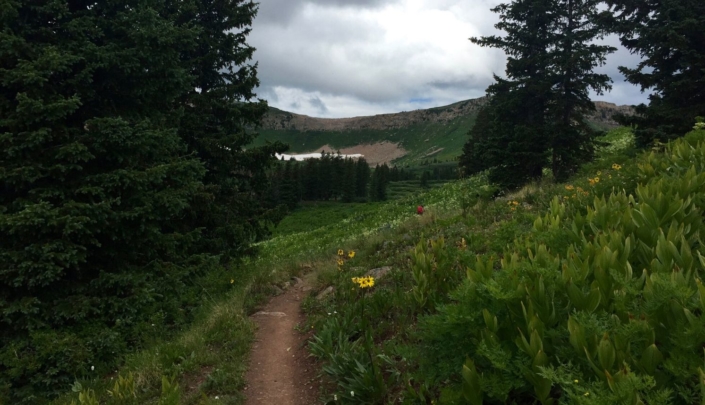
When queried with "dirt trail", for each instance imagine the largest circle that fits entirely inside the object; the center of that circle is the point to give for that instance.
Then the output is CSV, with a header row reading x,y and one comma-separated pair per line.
x,y
280,371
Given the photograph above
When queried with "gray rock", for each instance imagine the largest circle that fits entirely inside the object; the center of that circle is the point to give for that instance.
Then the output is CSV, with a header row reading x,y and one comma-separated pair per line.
x,y
277,290
286,285
296,280
379,272
275,314
323,294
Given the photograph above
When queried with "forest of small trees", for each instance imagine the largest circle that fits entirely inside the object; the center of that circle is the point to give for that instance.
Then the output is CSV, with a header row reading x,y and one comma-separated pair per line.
x,y
535,117
331,178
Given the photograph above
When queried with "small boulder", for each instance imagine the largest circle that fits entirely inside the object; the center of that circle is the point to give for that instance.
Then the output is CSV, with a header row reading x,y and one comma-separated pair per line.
x,y
276,290
323,294
379,272
296,280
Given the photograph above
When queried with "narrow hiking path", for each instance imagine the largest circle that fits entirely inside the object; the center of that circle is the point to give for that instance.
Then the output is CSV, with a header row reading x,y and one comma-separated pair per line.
x,y
280,370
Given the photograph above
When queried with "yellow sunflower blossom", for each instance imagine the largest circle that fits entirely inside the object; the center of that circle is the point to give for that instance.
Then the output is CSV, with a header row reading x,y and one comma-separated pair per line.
x,y
364,282
340,252
569,187
351,254
615,166
340,262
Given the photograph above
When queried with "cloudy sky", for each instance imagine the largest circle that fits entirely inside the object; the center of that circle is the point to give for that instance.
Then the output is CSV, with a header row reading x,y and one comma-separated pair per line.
x,y
344,58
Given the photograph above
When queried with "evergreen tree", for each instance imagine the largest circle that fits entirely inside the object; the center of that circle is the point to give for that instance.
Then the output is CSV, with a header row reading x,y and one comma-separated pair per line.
x,y
474,158
541,106
310,180
95,184
219,120
325,177
362,173
424,179
670,38
121,167
380,179
517,145
575,55
348,181
289,186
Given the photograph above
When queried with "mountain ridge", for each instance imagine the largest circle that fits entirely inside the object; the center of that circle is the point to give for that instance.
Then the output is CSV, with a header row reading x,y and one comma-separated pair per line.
x,y
277,119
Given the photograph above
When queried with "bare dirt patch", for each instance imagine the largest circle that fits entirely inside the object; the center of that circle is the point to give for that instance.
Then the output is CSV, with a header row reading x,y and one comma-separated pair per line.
x,y
375,153
280,370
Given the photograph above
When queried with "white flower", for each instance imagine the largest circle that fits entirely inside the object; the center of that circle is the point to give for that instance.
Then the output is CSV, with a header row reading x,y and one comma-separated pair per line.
x,y
335,397
216,397
92,368
352,393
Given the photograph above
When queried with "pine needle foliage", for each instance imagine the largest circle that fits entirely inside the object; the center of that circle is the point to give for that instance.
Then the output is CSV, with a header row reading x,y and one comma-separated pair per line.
x,y
121,123
669,37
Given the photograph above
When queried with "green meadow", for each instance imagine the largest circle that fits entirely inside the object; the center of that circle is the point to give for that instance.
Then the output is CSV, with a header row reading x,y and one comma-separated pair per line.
x,y
481,288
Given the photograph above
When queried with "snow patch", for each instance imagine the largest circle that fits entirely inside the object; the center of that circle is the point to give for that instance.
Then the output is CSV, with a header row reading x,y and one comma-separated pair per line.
x,y
317,155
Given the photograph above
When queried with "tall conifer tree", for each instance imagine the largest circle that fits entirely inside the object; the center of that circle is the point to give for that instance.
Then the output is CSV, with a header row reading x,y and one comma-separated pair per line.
x,y
574,56
112,117
221,114
670,37
538,111
517,145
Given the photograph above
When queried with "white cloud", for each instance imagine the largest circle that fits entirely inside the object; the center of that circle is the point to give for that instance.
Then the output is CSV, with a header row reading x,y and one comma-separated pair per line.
x,y
344,58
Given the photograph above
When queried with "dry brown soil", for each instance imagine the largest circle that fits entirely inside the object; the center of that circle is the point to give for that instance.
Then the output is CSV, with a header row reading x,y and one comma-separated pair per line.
x,y
281,371
376,153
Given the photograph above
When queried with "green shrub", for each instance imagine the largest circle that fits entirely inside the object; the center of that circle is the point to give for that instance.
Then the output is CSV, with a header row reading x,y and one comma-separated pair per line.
x,y
616,316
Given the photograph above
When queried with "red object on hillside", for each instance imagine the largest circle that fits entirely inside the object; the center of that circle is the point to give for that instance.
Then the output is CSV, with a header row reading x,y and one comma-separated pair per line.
x,y
419,210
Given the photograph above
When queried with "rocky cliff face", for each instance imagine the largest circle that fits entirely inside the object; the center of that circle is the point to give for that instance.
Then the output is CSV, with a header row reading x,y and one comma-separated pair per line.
x,y
605,112
283,120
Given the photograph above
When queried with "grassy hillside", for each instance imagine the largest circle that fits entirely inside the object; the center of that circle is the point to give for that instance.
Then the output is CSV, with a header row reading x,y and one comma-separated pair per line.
x,y
420,139
421,332
421,132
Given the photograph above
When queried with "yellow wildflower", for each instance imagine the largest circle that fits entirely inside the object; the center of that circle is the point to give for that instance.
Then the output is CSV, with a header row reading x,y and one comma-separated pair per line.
x,y
515,203
599,173
351,254
597,179
364,282
569,187
615,166
340,252
340,262
232,281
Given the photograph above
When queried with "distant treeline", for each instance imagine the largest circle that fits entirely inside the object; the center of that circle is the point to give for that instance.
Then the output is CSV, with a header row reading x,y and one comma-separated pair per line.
x,y
334,178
